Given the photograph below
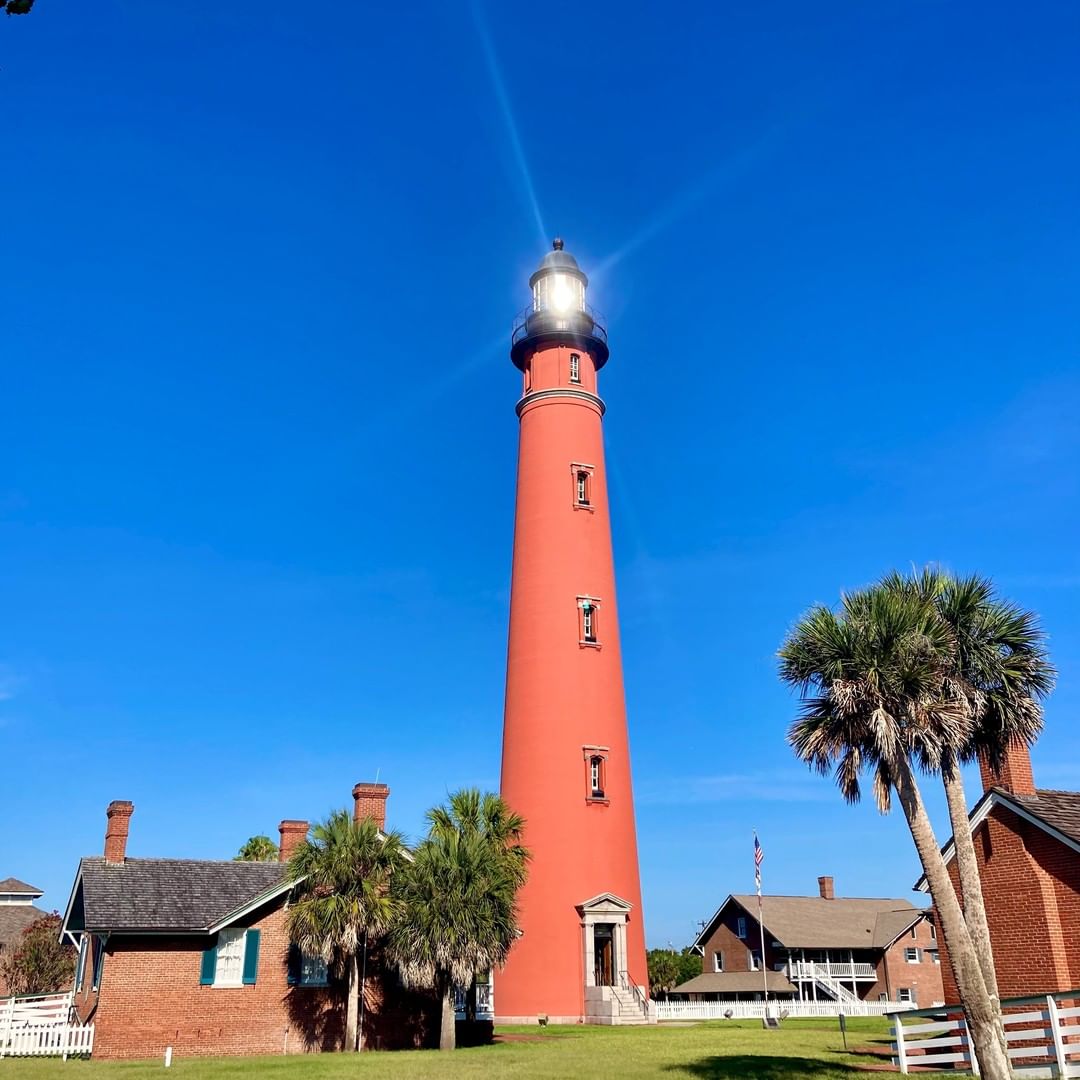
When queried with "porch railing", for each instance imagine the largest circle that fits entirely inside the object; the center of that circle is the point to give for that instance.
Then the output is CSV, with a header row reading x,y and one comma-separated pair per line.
x,y
806,969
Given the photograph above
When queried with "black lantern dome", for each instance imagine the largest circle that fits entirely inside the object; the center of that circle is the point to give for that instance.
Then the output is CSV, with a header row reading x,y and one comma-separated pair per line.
x,y
558,312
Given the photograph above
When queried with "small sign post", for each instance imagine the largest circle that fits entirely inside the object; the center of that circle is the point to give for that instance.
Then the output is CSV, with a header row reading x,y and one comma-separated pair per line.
x,y
843,1029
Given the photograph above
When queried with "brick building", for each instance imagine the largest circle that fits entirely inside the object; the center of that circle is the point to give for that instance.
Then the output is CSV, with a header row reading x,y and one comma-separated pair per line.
x,y
17,912
194,954
817,948
1027,844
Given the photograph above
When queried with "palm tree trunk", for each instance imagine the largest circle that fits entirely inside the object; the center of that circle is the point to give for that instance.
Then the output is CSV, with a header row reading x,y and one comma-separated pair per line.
x,y
350,1007
448,1025
983,1018
971,887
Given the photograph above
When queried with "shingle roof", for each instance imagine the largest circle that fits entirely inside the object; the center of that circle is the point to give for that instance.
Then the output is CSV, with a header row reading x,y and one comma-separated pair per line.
x,y
14,919
170,894
810,922
735,982
1059,809
14,885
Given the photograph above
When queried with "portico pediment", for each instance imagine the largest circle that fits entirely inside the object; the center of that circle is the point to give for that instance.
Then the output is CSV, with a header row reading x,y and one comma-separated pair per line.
x,y
605,904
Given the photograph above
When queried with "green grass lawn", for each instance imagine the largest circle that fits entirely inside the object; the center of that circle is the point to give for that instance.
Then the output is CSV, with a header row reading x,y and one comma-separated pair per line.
x,y
720,1050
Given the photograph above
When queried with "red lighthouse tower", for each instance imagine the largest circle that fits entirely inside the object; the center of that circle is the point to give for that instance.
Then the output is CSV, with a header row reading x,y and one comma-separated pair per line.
x,y
566,760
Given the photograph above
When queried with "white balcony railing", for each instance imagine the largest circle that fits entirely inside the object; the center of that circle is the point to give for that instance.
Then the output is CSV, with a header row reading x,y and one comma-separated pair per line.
x,y
805,969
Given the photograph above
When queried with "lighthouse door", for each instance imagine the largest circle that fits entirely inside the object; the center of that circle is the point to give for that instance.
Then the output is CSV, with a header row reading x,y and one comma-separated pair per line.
x,y
604,954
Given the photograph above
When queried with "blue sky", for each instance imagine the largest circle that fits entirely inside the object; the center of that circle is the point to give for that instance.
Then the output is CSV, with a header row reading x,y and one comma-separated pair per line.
x,y
257,431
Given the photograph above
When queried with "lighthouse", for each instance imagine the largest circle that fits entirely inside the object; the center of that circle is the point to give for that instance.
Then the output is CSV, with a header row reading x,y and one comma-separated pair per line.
x,y
565,753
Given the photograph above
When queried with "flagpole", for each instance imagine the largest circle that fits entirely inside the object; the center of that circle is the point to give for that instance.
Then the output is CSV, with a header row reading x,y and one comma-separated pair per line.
x,y
761,923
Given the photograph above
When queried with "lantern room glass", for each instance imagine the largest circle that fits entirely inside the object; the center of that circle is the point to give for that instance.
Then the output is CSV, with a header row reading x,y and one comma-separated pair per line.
x,y
559,294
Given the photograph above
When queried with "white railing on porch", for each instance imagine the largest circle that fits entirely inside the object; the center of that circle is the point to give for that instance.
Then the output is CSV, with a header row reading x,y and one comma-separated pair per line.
x,y
41,1026
807,969
755,1010
1043,1035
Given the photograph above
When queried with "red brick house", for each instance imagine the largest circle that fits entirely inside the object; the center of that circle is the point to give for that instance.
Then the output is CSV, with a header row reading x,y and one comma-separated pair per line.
x,y
817,948
17,912
194,954
1027,844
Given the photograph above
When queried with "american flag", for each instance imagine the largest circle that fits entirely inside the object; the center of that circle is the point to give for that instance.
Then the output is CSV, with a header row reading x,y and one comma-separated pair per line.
x,y
758,856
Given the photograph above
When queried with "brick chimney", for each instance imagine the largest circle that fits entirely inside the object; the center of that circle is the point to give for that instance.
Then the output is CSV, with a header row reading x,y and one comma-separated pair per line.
x,y
825,888
116,831
1015,775
369,801
293,833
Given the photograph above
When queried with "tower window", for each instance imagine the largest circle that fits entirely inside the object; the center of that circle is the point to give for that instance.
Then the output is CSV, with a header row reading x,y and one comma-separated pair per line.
x,y
596,776
588,606
582,476
595,773
575,367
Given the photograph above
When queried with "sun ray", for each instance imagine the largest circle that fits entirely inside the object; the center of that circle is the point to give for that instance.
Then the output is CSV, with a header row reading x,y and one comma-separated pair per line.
x,y
503,100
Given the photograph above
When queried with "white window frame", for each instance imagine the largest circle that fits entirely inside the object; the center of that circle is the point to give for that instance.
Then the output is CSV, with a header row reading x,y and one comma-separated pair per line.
x,y
229,961
753,961
575,368
581,493
80,966
588,607
596,776
740,927
906,995
912,959
718,961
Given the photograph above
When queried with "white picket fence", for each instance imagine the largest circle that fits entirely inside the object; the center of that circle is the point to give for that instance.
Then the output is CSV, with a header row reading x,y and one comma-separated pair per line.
x,y
41,1026
1043,1035
755,1010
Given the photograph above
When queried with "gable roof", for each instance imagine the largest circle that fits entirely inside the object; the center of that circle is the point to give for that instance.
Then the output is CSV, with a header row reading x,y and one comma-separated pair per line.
x,y
171,895
811,922
1055,812
14,919
735,982
15,886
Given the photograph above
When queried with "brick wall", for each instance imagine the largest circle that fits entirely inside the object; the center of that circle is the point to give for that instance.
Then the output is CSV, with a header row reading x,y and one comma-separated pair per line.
x,y
150,998
1031,888
923,977
725,939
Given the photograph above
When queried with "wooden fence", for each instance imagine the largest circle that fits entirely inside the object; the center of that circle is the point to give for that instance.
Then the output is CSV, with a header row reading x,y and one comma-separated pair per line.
x,y
1043,1035
42,1026
755,1010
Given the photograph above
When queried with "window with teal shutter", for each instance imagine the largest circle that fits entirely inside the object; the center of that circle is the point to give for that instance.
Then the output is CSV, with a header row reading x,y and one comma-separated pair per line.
x,y
293,977
209,965
251,957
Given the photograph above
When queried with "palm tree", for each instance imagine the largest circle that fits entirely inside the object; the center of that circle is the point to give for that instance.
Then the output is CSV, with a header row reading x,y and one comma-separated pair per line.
x,y
257,849
487,816
999,668
877,697
343,874
459,899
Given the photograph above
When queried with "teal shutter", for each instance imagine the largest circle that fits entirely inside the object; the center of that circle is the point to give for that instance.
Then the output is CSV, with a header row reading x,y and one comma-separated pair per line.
x,y
293,977
251,956
209,965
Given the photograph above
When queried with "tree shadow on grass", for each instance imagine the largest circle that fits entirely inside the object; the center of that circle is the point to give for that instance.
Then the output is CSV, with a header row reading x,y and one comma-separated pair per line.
x,y
763,1067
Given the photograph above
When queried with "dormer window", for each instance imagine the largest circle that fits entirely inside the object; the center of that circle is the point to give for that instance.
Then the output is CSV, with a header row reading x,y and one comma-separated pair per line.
x,y
575,368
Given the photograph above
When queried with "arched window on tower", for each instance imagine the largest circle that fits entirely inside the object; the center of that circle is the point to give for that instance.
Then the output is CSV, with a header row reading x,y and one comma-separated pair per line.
x,y
575,368
596,779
